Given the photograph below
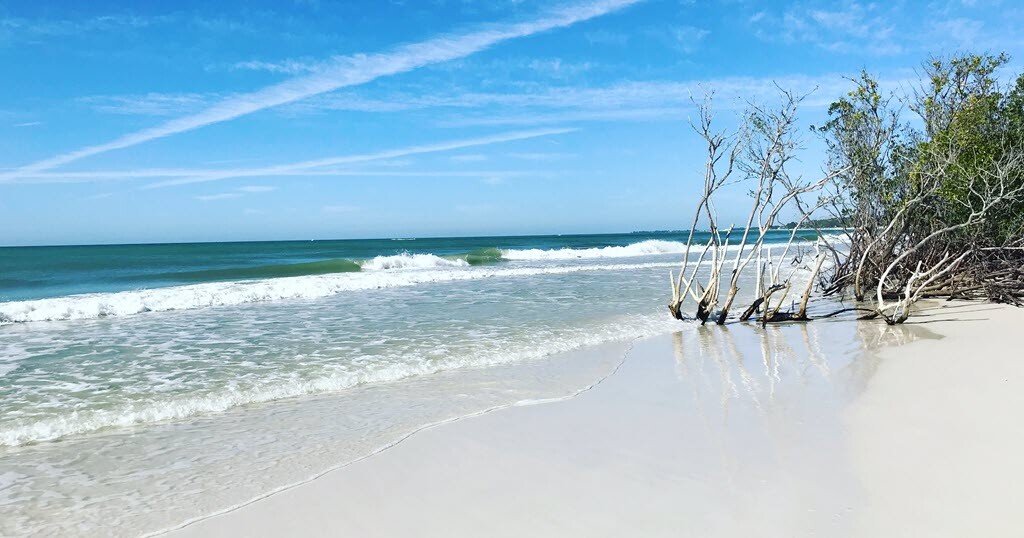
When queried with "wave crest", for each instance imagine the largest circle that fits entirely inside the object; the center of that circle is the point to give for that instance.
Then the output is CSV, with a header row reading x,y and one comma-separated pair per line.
x,y
411,261
125,303
643,248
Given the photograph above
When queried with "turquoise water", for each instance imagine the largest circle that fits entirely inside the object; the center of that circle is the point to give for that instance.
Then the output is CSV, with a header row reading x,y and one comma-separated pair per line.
x,y
121,350
40,272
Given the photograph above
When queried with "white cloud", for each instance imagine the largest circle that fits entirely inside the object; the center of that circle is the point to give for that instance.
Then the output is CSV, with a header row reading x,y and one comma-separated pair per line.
x,y
848,27
343,72
150,104
84,177
627,99
257,188
285,169
33,28
651,100
316,167
287,67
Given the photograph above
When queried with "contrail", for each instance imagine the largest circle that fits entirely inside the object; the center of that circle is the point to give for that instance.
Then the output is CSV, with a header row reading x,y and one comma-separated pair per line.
x,y
180,176
343,72
286,169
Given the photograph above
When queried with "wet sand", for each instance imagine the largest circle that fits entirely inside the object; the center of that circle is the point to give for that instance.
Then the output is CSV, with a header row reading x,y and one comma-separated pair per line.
x,y
832,428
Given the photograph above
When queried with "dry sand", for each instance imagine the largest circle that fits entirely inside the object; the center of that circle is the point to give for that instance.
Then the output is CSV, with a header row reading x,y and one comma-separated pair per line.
x,y
820,429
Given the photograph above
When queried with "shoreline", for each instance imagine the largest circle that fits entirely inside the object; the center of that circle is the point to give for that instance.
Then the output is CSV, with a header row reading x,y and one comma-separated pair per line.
x,y
606,347
823,462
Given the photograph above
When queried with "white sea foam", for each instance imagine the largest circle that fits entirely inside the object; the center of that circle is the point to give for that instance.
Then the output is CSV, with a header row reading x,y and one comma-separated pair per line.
x,y
643,248
651,247
410,261
381,272
97,305
385,371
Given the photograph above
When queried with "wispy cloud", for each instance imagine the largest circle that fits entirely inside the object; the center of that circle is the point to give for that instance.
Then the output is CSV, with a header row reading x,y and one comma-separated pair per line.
x,y
343,72
286,67
315,167
633,94
624,99
89,177
28,124
521,69
237,193
848,27
150,104
660,100
285,169
31,28
534,118
652,100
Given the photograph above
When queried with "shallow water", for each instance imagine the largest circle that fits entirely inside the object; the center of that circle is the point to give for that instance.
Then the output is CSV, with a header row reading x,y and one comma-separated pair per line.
x,y
731,431
142,408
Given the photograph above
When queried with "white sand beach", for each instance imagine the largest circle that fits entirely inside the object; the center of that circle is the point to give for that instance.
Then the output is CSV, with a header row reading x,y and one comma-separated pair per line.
x,y
322,268
831,428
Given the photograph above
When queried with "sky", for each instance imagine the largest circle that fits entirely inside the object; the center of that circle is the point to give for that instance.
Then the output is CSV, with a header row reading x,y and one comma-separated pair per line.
x,y
151,121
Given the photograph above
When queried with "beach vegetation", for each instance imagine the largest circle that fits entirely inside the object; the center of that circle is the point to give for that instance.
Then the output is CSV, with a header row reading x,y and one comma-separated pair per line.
x,y
926,189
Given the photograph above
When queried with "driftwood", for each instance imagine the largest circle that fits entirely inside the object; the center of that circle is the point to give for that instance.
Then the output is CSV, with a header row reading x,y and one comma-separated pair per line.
x,y
892,251
761,151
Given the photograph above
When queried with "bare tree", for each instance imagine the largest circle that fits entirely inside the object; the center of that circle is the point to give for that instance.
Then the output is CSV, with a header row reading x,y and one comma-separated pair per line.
x,y
937,212
760,151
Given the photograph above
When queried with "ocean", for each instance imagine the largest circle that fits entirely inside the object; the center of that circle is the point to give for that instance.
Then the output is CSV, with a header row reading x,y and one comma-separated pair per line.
x,y
142,386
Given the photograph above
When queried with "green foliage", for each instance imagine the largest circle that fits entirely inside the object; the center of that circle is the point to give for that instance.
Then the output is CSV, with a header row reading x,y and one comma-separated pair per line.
x,y
863,136
969,119
970,127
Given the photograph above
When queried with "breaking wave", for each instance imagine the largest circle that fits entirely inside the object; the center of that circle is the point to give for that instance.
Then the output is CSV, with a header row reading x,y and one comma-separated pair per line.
x,y
411,261
643,248
208,294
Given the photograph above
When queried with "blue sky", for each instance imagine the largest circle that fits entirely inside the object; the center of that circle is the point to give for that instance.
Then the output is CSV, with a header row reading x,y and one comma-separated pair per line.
x,y
242,120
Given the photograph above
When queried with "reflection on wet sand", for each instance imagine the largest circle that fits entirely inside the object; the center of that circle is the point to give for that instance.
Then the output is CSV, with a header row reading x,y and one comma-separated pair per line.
x,y
744,361
767,406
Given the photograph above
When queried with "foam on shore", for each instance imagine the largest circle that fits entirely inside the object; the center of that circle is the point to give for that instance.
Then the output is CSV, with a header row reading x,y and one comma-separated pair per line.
x,y
126,303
